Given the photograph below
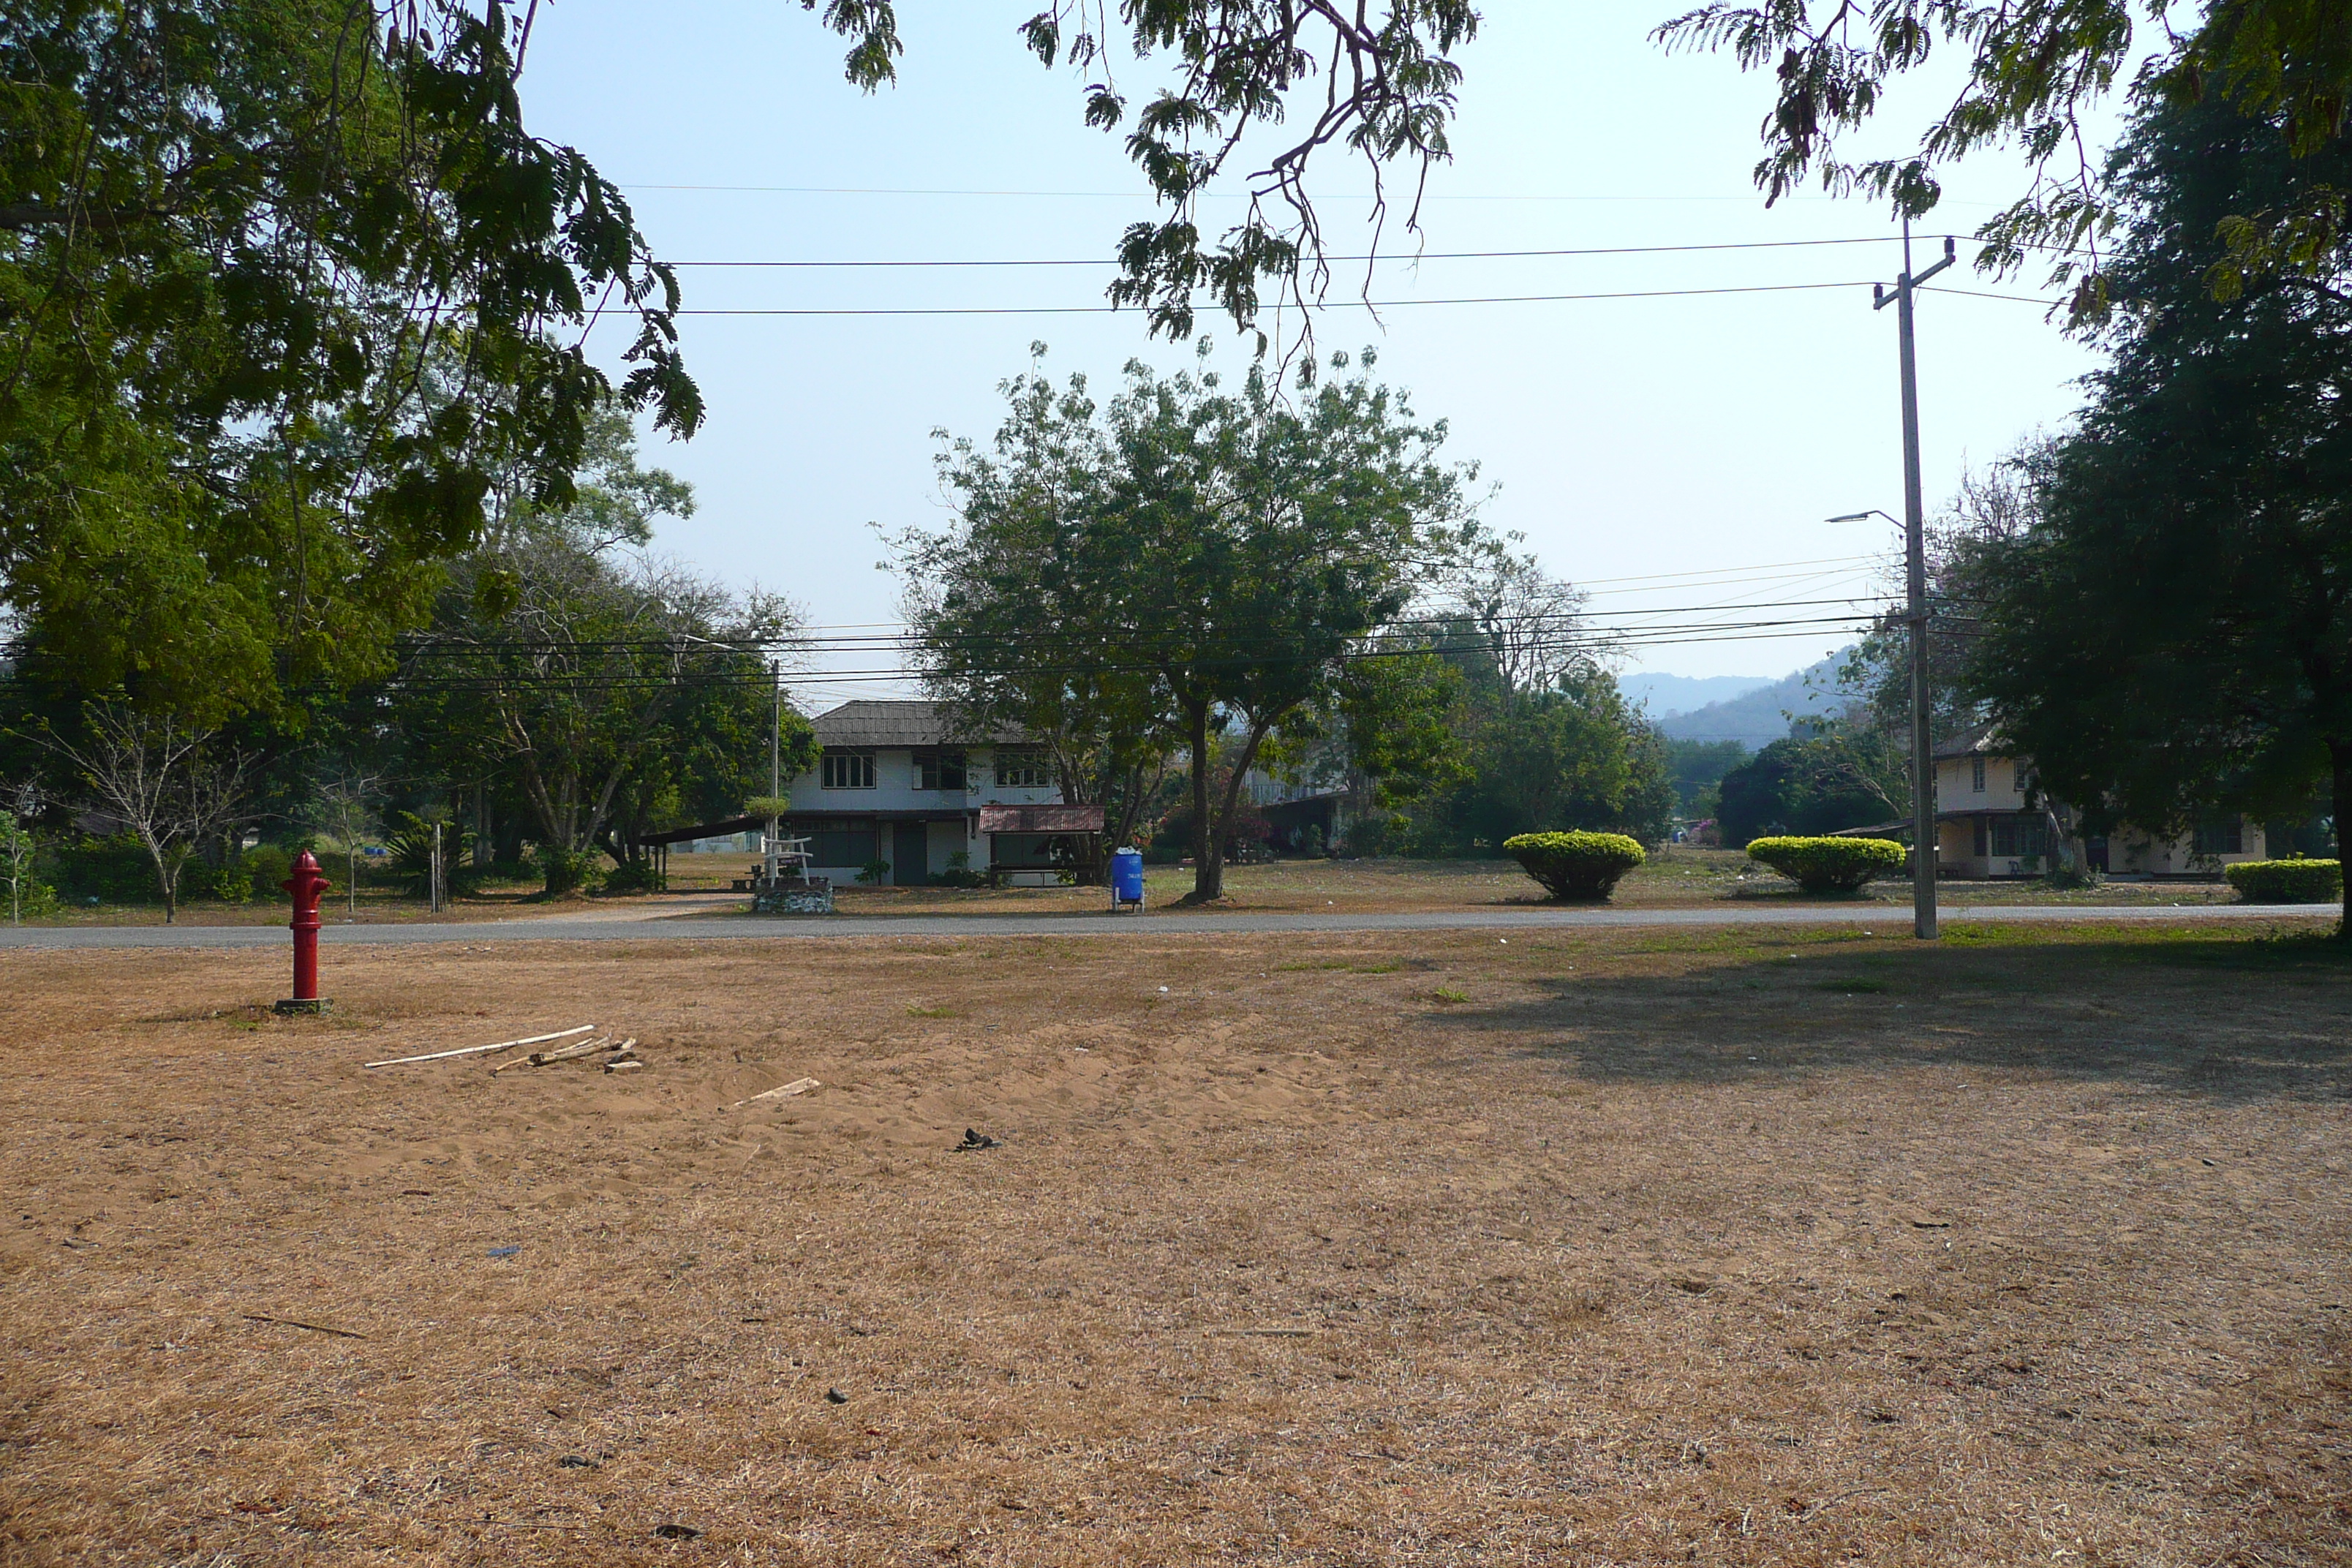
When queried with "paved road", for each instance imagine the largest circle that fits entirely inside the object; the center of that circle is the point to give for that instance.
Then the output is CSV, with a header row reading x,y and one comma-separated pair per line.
x,y
690,927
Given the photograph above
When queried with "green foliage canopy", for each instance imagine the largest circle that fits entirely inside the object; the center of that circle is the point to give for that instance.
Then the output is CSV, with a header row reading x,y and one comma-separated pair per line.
x,y
2035,70
2174,633
1573,757
280,284
1192,560
1814,785
1696,768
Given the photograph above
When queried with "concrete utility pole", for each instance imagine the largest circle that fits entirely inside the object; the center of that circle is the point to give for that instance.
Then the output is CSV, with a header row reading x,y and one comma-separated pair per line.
x,y
1914,547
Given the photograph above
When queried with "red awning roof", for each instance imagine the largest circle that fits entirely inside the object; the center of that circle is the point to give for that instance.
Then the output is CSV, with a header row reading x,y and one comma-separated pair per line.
x,y
1041,819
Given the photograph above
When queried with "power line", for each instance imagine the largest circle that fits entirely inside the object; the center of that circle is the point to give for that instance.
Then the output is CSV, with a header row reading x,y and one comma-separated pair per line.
x,y
1414,630
1644,198
1567,640
1368,304
1339,304
1367,256
1609,585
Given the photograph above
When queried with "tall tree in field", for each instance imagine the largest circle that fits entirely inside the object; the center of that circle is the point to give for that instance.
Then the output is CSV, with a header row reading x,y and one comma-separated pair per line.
x,y
1194,560
1273,543
602,687
590,679
172,787
1007,603
2173,632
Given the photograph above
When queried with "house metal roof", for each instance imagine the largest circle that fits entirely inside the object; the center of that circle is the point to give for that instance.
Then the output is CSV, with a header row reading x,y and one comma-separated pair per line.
x,y
1984,738
892,722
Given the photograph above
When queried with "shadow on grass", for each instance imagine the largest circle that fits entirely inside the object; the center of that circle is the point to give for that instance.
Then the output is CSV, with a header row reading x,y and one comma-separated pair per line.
x,y
2224,1015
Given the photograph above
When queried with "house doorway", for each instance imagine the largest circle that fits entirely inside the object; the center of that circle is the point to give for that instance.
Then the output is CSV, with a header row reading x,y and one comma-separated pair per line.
x,y
910,849
2095,854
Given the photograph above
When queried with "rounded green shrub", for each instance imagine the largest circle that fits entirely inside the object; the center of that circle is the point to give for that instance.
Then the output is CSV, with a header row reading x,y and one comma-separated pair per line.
x,y
1830,865
2287,881
1581,866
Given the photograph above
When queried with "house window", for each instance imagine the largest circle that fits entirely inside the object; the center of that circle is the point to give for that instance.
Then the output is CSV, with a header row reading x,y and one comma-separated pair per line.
x,y
1023,770
2222,836
939,771
2018,838
842,843
848,770
1976,775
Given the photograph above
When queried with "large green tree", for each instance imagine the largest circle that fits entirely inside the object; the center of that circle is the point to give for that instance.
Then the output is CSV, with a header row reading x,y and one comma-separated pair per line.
x,y
288,289
1839,778
283,284
586,684
1007,603
1193,558
2173,631
1543,739
605,691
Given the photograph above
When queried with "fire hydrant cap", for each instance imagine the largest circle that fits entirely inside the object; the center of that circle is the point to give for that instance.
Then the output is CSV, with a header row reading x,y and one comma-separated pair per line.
x,y
307,881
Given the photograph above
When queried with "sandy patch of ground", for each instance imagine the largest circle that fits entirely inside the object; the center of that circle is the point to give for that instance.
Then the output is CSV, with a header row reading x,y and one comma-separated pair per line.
x,y
1641,1246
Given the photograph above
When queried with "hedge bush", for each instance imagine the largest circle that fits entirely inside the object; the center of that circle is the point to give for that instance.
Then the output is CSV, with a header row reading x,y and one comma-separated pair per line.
x,y
1830,865
1575,864
114,870
2287,881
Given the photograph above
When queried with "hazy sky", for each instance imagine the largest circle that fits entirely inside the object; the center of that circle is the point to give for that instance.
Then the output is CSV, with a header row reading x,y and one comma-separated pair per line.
x,y
1636,442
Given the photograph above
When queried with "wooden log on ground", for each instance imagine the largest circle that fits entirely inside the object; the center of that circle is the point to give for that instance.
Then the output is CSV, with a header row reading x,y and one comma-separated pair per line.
x,y
480,1050
781,1092
564,1054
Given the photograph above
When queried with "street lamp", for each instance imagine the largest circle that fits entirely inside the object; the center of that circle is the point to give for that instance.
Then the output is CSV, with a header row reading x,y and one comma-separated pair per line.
x,y
1923,759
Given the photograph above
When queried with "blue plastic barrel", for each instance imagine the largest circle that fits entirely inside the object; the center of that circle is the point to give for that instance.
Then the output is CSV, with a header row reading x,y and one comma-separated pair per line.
x,y
1126,876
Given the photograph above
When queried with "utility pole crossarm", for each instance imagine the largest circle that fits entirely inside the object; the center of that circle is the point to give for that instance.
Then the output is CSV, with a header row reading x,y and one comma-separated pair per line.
x,y
1880,298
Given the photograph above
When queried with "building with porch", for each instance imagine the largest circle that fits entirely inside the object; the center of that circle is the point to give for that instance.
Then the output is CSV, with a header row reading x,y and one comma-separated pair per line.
x,y
898,793
1992,822
894,783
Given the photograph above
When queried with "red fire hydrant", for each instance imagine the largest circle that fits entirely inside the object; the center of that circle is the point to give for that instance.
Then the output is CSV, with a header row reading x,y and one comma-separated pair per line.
x,y
306,884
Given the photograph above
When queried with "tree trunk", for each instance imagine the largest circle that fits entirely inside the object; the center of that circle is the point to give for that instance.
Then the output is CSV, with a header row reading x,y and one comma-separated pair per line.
x,y
1208,855
1234,782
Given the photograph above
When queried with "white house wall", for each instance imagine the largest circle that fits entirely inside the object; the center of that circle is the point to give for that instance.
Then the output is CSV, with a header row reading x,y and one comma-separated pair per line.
x,y
2130,852
895,776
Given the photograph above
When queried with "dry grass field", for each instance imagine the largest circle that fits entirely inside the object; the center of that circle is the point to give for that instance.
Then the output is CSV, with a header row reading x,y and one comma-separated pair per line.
x,y
1675,876
1577,1247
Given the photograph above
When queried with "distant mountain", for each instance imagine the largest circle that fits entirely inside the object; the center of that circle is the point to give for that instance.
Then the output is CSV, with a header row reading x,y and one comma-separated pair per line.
x,y
1756,718
1668,695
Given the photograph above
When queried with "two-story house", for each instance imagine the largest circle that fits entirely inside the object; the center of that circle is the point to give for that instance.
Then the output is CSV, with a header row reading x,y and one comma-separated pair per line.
x,y
1992,822
893,785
